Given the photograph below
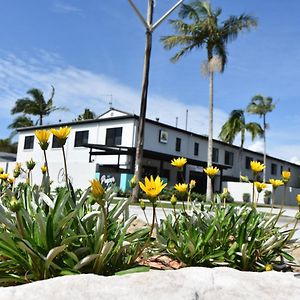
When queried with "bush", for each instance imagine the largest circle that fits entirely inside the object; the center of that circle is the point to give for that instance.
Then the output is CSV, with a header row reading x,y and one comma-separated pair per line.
x,y
45,236
241,238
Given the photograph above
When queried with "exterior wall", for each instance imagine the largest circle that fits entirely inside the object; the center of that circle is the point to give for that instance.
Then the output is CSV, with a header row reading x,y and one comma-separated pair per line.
x,y
79,167
237,189
78,157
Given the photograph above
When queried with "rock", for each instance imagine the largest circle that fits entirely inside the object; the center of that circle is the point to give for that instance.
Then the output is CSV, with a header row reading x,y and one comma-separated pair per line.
x,y
187,283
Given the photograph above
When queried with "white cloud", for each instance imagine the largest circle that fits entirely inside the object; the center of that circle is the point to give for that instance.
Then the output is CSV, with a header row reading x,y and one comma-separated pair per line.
x,y
61,7
78,89
257,146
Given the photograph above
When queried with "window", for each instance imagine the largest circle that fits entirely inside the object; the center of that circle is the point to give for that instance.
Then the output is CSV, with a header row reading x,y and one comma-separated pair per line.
x,y
178,144
28,142
273,169
248,160
228,158
215,155
55,142
81,137
196,149
113,136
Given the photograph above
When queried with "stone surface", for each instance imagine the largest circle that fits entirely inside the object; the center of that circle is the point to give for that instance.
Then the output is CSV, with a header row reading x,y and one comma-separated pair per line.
x,y
187,283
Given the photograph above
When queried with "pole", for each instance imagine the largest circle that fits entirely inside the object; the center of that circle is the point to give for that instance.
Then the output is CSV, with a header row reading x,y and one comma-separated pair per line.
x,y
145,83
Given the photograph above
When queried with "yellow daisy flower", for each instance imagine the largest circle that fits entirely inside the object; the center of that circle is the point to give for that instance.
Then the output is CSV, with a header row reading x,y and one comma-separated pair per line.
x,y
61,134
178,162
211,171
152,188
181,187
257,166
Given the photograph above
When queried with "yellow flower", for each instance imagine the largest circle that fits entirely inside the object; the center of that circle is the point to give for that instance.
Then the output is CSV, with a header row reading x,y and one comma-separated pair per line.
x,y
260,186
97,189
211,171
268,267
276,183
4,176
181,187
286,175
1,170
173,200
44,169
256,166
11,180
192,183
61,134
18,166
132,182
178,162
152,187
43,137
298,198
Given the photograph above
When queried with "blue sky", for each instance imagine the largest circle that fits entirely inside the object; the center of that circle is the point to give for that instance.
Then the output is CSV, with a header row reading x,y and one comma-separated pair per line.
x,y
92,51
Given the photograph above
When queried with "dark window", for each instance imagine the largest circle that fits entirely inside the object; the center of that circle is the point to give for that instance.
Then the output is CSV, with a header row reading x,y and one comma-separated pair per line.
x,y
273,169
178,144
248,160
215,155
196,149
55,142
81,137
165,174
281,169
228,158
113,136
28,142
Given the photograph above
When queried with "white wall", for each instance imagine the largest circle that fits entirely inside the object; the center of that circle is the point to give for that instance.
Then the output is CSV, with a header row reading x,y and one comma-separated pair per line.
x,y
237,189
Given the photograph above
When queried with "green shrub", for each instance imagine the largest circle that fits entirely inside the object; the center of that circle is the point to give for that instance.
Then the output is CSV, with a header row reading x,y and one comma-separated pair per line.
x,y
241,238
42,237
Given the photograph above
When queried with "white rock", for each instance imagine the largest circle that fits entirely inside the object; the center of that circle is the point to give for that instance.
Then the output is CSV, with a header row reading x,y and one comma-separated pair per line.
x,y
188,283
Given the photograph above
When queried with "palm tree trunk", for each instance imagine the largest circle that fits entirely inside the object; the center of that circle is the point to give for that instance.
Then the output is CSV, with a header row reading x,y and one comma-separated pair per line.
x,y
41,119
241,152
265,149
145,83
210,135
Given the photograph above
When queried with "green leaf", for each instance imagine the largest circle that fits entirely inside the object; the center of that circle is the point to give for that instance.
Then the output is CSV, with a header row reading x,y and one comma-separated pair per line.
x,y
134,270
52,254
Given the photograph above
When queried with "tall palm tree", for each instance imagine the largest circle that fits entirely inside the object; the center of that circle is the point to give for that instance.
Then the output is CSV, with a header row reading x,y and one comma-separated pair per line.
x,y
236,124
20,121
261,105
36,105
205,30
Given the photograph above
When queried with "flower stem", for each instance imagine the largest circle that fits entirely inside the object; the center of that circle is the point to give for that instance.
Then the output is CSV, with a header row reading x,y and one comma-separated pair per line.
x,y
46,163
66,170
19,224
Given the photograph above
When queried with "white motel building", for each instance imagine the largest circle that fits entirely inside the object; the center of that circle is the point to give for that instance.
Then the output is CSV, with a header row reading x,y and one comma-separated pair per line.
x,y
105,148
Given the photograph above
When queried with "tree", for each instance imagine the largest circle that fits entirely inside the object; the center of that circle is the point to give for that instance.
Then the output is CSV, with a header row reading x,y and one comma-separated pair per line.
x,y
236,124
21,121
261,105
206,31
36,105
6,145
87,115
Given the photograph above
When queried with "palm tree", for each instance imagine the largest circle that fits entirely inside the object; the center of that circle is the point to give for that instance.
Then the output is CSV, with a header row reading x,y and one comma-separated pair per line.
x,y
206,31
21,121
86,115
236,124
6,145
261,105
36,105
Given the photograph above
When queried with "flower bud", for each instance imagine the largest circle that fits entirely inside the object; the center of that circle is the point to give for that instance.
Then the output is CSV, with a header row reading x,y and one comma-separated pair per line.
x,y
173,200
142,205
14,204
132,182
30,164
